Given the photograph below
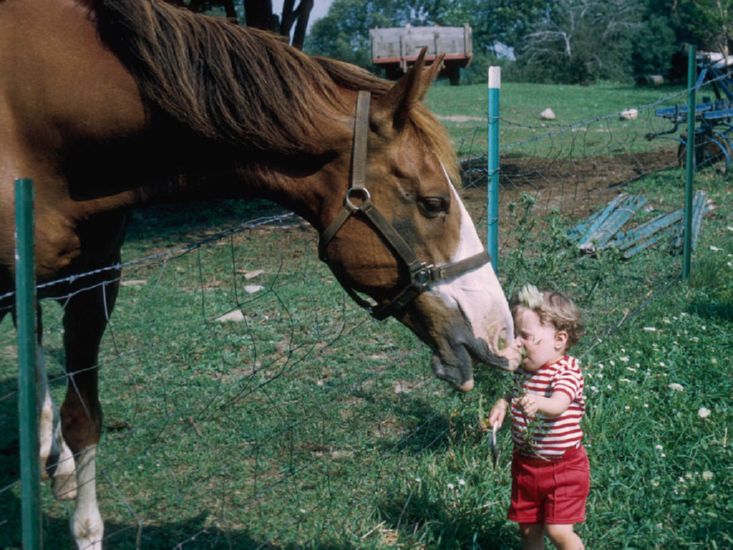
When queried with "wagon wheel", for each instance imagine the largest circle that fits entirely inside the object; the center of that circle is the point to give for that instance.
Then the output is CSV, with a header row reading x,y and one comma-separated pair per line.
x,y
709,149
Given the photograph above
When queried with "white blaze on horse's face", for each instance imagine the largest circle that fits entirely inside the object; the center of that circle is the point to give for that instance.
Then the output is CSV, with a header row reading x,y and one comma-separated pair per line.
x,y
479,299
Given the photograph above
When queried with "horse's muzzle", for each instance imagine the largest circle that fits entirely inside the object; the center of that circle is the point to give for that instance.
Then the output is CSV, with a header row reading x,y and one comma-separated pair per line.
x,y
459,374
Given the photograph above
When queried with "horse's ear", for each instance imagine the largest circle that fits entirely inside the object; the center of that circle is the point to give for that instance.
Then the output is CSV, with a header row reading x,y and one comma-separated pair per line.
x,y
394,107
431,74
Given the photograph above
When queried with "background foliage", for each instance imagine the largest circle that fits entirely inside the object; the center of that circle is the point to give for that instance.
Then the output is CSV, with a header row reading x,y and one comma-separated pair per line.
x,y
564,41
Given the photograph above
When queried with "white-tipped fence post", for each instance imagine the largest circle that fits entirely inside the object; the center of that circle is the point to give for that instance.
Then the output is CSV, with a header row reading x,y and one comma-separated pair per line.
x,y
492,237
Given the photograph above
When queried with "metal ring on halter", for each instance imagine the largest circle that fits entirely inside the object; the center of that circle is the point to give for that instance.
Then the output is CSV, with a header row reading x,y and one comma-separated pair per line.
x,y
365,198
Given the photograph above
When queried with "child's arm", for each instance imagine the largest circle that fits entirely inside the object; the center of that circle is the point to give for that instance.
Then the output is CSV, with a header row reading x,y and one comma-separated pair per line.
x,y
551,406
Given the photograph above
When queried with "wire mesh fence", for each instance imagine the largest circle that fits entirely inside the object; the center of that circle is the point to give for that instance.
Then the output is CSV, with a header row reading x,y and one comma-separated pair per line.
x,y
249,404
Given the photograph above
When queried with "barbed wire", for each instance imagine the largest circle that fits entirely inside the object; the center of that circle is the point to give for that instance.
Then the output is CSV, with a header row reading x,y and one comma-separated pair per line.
x,y
278,448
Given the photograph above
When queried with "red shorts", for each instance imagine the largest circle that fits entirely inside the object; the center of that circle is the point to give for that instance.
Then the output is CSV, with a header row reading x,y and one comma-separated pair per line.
x,y
550,492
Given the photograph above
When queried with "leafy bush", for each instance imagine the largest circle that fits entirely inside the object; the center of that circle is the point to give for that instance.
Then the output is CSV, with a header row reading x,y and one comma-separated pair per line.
x,y
654,46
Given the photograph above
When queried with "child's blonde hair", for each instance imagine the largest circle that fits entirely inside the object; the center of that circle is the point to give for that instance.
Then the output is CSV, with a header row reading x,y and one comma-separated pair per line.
x,y
551,307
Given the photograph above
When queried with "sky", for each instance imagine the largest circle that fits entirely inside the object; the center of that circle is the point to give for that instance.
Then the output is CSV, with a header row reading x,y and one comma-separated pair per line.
x,y
320,8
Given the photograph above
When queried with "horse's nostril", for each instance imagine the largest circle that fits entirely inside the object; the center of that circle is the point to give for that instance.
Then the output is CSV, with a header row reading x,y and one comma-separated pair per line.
x,y
467,386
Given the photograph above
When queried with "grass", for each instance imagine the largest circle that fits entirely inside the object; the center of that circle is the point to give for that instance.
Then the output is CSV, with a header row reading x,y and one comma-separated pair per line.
x,y
309,425
587,122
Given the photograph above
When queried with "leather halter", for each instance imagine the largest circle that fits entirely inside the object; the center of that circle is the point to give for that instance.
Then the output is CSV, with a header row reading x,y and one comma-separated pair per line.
x,y
422,275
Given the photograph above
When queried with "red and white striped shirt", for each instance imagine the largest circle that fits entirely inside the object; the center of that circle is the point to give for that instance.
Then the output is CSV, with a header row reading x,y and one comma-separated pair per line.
x,y
549,437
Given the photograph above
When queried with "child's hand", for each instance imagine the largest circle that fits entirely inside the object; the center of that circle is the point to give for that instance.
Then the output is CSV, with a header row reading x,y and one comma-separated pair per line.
x,y
497,413
528,403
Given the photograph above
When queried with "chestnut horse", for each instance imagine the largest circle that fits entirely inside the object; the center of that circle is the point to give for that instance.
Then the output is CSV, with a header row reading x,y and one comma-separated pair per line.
x,y
110,104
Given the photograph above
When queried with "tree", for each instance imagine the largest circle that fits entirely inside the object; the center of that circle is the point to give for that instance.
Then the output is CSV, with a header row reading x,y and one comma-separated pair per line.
x,y
653,49
709,22
581,41
344,32
259,14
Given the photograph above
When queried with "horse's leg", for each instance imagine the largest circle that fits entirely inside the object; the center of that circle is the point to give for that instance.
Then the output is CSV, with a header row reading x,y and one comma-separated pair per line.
x,y
85,318
55,456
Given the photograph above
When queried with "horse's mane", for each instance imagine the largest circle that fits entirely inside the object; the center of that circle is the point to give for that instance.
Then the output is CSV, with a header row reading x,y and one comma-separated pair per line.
x,y
234,84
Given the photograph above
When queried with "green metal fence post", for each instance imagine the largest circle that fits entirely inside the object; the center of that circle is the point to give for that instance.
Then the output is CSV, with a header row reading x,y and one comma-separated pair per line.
x,y
689,161
492,233
25,304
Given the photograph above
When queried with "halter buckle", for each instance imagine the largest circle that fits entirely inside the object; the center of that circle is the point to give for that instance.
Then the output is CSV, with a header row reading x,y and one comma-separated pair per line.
x,y
361,194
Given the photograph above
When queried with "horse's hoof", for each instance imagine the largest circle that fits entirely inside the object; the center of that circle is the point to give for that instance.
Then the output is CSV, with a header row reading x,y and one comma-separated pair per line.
x,y
64,486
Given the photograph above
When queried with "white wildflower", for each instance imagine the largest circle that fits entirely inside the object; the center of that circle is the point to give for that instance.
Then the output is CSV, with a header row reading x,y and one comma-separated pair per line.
x,y
676,387
707,475
650,329
609,387
624,380
655,483
624,358
418,479
661,364
646,405
451,486
627,408
462,482
714,248
702,412
658,447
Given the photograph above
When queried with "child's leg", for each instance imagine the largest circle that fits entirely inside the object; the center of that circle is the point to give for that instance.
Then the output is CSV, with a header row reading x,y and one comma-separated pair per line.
x,y
563,537
533,536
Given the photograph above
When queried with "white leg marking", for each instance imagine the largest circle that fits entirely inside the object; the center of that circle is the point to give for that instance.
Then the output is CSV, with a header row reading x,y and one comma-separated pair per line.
x,y
64,477
45,418
52,446
86,523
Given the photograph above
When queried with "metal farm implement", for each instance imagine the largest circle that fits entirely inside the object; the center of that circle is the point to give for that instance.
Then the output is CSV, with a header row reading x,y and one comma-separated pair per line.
x,y
713,124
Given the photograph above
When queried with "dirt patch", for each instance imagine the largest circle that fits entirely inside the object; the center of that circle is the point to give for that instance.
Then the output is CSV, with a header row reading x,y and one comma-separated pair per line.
x,y
575,187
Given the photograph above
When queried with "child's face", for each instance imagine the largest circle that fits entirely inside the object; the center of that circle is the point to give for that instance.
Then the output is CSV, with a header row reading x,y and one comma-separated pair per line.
x,y
542,343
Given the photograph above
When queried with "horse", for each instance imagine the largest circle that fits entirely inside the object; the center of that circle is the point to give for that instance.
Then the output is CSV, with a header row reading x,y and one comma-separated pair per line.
x,y
112,104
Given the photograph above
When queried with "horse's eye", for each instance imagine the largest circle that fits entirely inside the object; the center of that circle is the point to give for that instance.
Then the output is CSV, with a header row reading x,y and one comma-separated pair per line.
x,y
432,206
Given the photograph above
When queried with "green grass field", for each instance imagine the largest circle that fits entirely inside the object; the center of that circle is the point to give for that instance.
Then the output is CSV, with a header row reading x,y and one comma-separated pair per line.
x,y
309,425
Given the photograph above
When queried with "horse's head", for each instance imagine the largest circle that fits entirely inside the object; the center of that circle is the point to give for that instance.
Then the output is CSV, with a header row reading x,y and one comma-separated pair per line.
x,y
401,234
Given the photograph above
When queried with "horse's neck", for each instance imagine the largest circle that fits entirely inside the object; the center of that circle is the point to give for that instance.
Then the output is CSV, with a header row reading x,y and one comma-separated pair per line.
x,y
306,184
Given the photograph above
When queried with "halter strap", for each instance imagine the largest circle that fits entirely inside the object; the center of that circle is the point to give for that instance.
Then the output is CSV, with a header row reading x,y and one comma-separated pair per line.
x,y
358,199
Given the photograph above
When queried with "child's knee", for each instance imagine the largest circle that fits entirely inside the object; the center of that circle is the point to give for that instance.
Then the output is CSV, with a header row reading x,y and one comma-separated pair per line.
x,y
563,536
531,530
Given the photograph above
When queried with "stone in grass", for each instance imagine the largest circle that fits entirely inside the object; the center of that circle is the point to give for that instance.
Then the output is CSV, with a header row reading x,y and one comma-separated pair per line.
x,y
629,114
251,289
548,114
234,316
